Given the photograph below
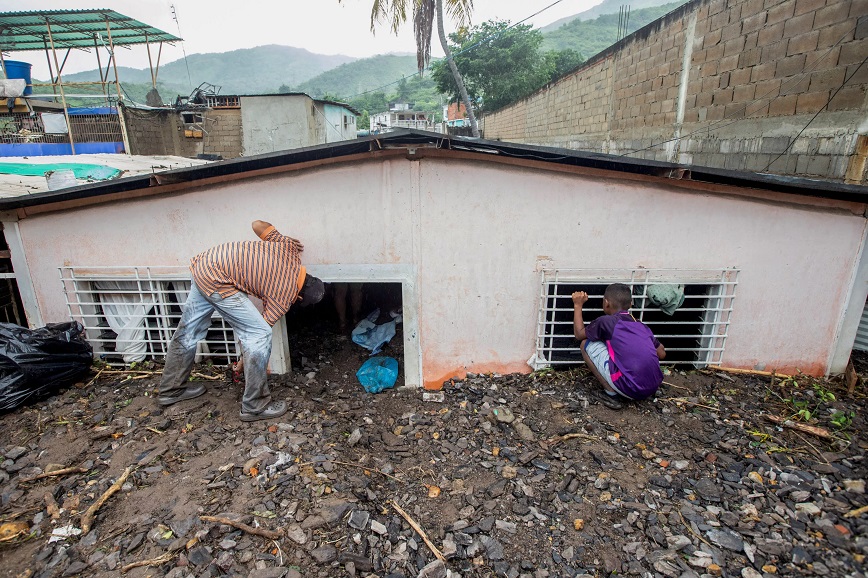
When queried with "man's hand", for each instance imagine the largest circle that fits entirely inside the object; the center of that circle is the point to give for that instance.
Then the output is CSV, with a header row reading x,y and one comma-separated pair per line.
x,y
579,298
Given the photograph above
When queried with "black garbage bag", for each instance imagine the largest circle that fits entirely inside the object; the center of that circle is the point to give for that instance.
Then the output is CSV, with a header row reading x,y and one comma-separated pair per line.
x,y
36,363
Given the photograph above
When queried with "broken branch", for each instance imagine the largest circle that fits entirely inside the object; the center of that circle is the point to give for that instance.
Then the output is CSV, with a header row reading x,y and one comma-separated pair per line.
x,y
167,557
419,531
270,534
61,472
856,513
87,517
368,469
802,427
756,372
552,442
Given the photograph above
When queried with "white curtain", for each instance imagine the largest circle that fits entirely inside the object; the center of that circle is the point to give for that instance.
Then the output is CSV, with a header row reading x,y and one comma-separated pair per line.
x,y
125,305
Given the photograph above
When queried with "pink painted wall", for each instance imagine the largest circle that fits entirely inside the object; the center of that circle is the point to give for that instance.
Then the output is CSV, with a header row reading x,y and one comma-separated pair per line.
x,y
475,234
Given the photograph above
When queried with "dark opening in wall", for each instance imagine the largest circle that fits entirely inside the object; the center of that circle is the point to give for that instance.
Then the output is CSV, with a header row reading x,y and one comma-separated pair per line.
x,y
11,307
320,343
684,334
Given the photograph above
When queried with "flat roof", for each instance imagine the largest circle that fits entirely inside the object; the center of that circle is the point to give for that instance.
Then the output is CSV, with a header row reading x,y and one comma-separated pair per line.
x,y
417,144
22,31
12,186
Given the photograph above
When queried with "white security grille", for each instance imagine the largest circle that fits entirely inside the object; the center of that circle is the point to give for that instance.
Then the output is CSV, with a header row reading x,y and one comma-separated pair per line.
x,y
695,334
130,313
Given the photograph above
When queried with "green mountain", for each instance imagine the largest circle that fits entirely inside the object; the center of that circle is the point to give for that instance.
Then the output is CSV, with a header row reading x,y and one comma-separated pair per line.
x,y
588,37
361,75
605,7
246,71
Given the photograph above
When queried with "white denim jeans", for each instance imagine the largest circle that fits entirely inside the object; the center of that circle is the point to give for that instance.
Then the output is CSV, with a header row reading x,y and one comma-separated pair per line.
x,y
251,331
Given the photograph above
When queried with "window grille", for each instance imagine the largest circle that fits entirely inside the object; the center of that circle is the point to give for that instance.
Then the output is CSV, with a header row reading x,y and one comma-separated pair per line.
x,y
222,101
130,313
695,334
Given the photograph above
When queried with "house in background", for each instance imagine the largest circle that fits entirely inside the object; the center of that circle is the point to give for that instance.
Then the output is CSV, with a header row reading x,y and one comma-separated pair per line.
x,y
487,241
231,126
401,115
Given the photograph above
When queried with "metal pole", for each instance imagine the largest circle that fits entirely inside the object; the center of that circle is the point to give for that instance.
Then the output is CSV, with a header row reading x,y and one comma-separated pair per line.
x,y
99,66
150,64
3,64
60,83
157,70
50,69
117,88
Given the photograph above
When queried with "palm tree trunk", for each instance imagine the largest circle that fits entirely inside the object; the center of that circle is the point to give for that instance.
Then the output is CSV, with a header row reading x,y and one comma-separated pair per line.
x,y
457,75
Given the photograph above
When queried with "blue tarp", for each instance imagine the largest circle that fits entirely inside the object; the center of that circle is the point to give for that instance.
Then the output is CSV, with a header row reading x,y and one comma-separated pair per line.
x,y
48,149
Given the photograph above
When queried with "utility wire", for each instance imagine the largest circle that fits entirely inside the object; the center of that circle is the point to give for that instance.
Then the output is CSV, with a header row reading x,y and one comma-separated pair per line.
x,y
718,123
837,90
183,49
471,47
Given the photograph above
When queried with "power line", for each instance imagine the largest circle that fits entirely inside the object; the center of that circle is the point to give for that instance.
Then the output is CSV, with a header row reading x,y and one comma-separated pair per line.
x,y
717,124
471,47
183,49
837,90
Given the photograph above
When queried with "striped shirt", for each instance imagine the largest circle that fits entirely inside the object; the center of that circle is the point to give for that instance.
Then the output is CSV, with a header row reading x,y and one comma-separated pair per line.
x,y
269,269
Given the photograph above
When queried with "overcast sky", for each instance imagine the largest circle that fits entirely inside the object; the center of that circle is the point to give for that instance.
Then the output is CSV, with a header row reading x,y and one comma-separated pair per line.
x,y
321,26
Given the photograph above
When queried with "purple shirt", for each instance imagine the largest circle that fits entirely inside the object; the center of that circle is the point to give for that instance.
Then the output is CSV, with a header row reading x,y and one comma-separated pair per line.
x,y
633,365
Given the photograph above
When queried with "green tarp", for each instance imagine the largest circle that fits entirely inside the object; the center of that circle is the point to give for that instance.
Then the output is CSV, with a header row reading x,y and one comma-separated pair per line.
x,y
82,171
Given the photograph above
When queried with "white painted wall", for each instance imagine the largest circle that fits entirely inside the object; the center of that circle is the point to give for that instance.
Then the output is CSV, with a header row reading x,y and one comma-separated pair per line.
x,y
474,233
276,123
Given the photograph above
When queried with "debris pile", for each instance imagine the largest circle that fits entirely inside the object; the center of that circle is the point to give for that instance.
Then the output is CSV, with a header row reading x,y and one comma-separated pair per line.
x,y
514,475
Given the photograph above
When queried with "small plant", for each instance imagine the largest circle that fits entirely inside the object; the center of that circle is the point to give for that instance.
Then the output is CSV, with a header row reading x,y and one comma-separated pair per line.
x,y
823,394
842,419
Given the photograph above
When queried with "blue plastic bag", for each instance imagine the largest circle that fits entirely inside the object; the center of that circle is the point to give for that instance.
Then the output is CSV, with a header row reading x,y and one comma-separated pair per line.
x,y
378,373
372,336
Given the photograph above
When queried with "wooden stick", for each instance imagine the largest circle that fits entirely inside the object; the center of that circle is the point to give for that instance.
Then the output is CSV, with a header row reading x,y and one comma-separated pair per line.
x,y
270,534
419,531
749,372
87,517
61,472
552,442
678,386
685,400
211,377
856,513
368,469
167,557
805,428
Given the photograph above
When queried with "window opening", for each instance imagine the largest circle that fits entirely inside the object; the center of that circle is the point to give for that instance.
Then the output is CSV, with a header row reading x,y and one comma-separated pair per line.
x,y
11,306
130,313
695,334
320,343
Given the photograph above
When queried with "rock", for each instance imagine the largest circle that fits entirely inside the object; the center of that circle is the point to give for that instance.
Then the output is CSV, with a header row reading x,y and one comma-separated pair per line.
x,y
325,554
15,452
435,569
726,539
199,556
808,508
854,486
502,415
748,572
708,489
359,520
269,573
523,431
296,534
354,437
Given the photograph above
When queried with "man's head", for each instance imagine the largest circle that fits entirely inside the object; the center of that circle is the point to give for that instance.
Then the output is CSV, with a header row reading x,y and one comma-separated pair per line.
x,y
312,291
617,297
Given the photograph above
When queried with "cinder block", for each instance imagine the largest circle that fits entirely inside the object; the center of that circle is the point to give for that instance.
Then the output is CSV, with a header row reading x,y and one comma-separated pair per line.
x,y
729,63
803,43
795,84
848,98
799,25
811,102
744,93
722,97
853,52
784,105
832,35
763,71
832,14
740,76
734,46
804,6
774,52
781,12
753,23
770,34
827,80
790,66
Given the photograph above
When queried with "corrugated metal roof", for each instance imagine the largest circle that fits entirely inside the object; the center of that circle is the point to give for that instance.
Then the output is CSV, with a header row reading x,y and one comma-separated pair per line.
x,y
486,149
22,31
862,333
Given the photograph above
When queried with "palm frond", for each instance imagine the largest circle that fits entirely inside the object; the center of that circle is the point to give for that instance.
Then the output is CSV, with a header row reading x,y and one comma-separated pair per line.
x,y
424,13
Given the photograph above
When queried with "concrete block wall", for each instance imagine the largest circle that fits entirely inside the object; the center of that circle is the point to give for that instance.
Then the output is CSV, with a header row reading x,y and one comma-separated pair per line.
x,y
758,85
149,132
223,128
